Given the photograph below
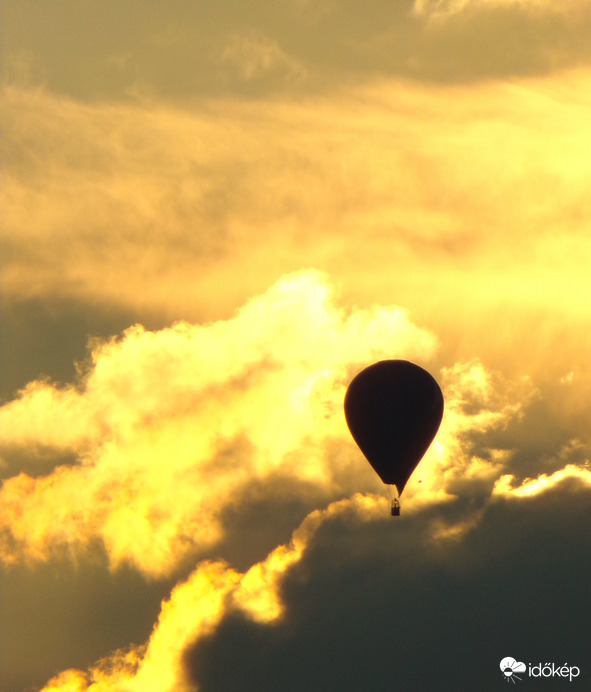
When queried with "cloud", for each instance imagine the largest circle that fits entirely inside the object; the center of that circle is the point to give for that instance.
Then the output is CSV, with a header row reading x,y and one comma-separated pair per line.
x,y
254,55
301,47
167,427
196,607
167,431
172,432
360,185
183,439
503,485
371,605
448,8
471,39
181,177
347,583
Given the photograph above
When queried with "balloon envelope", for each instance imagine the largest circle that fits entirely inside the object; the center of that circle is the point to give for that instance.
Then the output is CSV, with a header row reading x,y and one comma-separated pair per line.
x,y
393,409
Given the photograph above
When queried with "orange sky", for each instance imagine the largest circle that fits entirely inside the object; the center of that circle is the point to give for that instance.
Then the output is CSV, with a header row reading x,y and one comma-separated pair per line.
x,y
213,217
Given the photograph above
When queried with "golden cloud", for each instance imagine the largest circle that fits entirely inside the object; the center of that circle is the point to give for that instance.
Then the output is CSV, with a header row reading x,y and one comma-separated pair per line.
x,y
534,486
254,55
446,8
168,426
213,590
197,605
360,184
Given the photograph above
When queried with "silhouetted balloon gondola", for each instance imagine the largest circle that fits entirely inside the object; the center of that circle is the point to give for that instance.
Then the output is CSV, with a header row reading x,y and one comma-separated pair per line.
x,y
393,409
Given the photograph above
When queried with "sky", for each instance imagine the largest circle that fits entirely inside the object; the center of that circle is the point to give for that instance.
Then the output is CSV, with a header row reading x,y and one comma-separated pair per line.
x,y
213,216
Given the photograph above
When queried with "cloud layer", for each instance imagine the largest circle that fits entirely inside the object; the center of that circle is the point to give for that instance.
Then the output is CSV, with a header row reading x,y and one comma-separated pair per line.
x,y
171,432
182,50
213,216
341,605
172,213
169,427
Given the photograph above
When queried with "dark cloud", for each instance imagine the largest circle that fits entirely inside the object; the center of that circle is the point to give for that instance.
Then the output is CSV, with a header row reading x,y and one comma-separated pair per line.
x,y
499,40
46,338
182,48
467,206
60,615
382,605
541,440
267,510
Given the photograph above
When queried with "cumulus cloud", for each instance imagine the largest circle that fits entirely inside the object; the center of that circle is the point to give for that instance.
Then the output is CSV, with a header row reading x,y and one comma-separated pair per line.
x,y
172,428
448,219
284,603
169,430
395,612
168,427
196,607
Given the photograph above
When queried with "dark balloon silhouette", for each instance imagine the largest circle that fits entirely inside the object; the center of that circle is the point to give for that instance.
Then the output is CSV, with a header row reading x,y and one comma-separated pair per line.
x,y
393,409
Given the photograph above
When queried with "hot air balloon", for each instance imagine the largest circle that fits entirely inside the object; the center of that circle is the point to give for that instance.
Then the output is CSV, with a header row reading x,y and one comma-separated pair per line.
x,y
393,409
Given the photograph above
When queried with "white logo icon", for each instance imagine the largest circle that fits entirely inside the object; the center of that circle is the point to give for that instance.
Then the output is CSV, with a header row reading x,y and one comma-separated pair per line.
x,y
510,668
